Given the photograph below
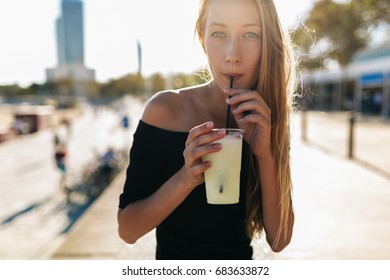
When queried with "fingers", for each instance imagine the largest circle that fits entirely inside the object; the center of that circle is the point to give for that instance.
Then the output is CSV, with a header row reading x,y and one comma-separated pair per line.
x,y
253,115
200,143
199,130
204,134
258,119
199,169
237,96
244,102
193,155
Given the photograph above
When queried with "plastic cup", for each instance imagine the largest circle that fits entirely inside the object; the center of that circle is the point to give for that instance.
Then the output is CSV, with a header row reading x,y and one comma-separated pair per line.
x,y
222,179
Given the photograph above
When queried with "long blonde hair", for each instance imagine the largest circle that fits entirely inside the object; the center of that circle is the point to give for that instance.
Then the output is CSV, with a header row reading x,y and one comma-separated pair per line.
x,y
276,85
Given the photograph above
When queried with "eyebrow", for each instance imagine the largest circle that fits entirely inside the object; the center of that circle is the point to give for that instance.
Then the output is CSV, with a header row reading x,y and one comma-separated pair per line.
x,y
224,25
217,24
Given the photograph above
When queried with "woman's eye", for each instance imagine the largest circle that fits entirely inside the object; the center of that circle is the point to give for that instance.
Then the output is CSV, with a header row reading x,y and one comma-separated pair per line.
x,y
251,35
218,34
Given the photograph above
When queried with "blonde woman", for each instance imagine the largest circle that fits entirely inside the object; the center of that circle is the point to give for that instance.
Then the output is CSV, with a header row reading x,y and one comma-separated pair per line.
x,y
165,189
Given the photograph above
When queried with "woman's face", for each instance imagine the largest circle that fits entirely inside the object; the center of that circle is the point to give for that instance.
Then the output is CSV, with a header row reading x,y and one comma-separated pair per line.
x,y
232,42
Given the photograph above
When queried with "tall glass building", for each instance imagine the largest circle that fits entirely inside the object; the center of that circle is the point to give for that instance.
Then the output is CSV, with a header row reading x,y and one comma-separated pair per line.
x,y
70,33
70,45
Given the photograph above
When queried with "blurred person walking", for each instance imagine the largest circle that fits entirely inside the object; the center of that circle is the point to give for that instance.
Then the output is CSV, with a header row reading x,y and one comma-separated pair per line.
x,y
60,155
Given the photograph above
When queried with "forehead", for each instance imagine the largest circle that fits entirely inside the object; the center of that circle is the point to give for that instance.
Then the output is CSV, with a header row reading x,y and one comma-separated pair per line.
x,y
232,11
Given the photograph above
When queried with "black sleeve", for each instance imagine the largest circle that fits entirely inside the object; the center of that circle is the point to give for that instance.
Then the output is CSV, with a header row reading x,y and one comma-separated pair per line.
x,y
145,171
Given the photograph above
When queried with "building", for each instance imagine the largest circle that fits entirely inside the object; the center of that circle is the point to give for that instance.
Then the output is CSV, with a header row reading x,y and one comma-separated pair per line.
x,y
70,33
363,86
70,45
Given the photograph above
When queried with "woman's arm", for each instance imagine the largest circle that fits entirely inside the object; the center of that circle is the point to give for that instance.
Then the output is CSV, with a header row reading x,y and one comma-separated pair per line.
x,y
140,217
270,203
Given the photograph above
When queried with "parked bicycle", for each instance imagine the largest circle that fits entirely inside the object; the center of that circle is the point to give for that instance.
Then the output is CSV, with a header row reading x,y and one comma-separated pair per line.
x,y
91,181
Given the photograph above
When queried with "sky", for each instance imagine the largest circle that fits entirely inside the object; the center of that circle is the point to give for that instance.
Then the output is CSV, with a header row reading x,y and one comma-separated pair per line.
x,y
165,30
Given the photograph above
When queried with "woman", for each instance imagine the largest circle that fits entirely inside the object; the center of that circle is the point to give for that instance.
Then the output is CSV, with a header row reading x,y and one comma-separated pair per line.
x,y
165,187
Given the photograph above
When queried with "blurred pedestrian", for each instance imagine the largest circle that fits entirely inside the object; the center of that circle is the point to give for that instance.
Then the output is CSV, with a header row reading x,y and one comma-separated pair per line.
x,y
60,155
125,122
56,139
66,122
164,189
108,163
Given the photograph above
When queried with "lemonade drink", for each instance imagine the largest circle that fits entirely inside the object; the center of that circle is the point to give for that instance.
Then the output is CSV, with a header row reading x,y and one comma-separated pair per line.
x,y
223,178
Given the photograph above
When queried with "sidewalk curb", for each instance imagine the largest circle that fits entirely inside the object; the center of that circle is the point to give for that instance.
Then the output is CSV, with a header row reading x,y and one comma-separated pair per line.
x,y
78,245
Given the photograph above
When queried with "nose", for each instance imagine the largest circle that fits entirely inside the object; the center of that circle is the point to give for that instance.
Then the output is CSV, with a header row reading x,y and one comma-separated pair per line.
x,y
233,55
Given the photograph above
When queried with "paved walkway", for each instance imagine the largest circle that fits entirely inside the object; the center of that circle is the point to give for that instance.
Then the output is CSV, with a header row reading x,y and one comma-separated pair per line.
x,y
35,218
342,211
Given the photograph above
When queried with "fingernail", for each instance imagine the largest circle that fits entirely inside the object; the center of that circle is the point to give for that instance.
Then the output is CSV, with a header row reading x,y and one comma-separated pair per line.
x,y
217,145
227,90
221,132
209,124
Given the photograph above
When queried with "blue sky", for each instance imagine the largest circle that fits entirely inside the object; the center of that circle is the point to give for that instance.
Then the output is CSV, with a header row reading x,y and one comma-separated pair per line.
x,y
112,28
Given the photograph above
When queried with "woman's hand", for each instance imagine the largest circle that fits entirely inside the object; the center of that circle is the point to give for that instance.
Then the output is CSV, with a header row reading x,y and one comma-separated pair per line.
x,y
253,115
198,144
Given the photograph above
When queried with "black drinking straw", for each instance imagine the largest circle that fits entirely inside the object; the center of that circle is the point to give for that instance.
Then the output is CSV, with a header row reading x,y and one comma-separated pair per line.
x,y
221,187
228,107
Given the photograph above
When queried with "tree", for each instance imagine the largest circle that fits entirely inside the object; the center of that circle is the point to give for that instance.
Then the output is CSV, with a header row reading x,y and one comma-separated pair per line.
x,y
157,82
12,90
374,11
335,32
334,28
180,80
91,89
130,84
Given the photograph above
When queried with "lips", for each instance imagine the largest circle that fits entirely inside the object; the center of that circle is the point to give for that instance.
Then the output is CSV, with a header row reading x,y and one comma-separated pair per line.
x,y
234,75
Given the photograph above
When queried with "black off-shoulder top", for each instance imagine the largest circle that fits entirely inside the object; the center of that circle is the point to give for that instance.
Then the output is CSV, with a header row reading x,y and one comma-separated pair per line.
x,y
195,229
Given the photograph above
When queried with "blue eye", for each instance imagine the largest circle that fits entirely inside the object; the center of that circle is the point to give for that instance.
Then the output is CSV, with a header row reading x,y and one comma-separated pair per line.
x,y
218,34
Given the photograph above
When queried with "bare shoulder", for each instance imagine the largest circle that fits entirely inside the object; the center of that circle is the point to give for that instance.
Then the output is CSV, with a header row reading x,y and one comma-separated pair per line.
x,y
158,110
171,109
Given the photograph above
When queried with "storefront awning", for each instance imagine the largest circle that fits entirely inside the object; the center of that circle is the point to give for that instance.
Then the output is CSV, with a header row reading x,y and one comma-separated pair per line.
x,y
370,80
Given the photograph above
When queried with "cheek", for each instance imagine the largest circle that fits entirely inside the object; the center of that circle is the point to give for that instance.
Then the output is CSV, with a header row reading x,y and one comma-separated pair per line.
x,y
254,60
254,70
214,55
255,65
253,55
